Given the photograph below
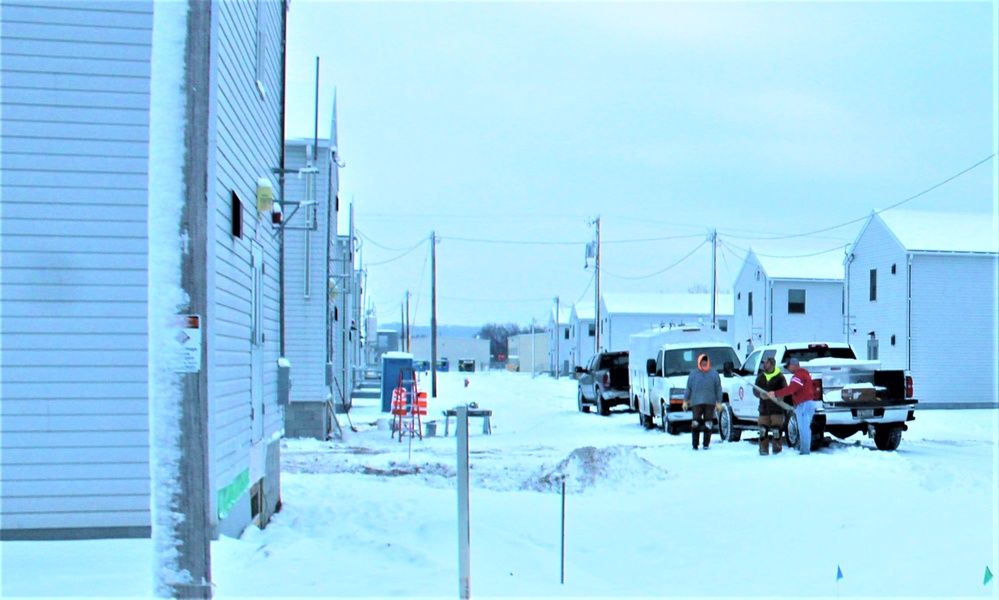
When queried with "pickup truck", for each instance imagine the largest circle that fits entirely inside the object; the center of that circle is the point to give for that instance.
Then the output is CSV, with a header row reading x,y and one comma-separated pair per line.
x,y
603,382
661,361
853,395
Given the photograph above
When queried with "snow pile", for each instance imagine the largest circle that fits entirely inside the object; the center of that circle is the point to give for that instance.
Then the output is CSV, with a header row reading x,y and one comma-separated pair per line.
x,y
586,466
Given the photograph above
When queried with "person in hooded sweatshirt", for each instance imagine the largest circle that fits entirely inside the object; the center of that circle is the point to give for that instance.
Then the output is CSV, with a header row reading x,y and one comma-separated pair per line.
x,y
703,395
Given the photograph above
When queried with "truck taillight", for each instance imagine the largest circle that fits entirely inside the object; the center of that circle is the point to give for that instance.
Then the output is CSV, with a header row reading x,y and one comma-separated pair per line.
x,y
606,380
909,391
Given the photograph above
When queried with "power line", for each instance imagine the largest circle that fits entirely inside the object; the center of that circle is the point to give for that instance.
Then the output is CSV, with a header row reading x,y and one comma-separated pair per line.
x,y
383,247
688,255
385,262
877,212
546,243
760,254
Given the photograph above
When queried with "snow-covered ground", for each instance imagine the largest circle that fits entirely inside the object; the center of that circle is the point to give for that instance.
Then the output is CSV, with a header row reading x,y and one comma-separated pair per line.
x,y
645,514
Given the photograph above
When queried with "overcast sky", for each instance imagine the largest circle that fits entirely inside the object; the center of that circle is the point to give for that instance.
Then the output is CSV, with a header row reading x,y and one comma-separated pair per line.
x,y
521,123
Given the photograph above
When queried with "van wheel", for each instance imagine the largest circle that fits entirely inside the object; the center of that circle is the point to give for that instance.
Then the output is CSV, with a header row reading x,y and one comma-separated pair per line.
x,y
726,425
643,419
887,437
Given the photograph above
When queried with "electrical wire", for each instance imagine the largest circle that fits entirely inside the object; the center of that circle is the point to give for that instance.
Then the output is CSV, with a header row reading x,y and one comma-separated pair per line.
x,y
385,262
383,247
587,288
545,243
423,273
745,252
688,255
877,212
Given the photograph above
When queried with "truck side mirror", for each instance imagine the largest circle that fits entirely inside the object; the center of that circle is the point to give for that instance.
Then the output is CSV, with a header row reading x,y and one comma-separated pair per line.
x,y
580,370
728,368
650,366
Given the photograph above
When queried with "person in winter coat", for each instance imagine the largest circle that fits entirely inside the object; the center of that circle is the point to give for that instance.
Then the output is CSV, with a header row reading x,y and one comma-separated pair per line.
x,y
771,416
703,395
802,392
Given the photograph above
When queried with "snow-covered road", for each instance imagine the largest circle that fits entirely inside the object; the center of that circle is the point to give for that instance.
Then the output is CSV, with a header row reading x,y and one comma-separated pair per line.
x,y
645,514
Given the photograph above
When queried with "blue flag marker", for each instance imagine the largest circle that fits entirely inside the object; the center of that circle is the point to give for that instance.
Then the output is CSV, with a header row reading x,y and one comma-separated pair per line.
x,y
839,573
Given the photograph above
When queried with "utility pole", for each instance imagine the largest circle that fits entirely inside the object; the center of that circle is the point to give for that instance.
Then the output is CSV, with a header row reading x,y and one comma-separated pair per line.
x,y
596,302
433,314
409,327
558,327
714,278
402,326
189,495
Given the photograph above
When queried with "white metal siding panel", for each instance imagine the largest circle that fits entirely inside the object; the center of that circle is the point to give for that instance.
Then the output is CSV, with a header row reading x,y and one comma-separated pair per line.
x,y
823,318
748,329
877,249
247,146
954,320
75,79
305,318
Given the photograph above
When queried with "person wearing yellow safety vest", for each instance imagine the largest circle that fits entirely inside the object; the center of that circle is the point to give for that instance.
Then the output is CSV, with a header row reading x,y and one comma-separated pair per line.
x,y
771,415
703,395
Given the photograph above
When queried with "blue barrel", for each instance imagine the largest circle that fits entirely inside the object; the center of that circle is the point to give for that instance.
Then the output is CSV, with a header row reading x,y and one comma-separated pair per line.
x,y
394,363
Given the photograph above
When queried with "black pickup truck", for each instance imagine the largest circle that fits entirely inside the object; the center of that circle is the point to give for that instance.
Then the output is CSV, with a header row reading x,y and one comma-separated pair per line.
x,y
604,382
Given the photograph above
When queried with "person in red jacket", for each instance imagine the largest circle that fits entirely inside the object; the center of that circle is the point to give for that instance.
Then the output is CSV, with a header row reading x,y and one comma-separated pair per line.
x,y
802,392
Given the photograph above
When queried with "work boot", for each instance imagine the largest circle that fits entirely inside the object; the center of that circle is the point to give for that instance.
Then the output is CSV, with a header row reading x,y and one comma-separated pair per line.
x,y
765,446
707,439
777,445
695,438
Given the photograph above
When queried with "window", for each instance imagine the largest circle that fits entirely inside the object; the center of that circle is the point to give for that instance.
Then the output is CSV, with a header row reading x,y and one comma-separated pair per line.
x,y
796,302
593,329
750,303
874,285
566,333
723,324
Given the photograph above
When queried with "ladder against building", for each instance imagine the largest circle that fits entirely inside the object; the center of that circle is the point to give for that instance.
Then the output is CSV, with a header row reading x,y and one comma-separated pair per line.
x,y
409,406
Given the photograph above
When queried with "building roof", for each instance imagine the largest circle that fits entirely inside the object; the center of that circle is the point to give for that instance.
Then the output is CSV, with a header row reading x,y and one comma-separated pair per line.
x,y
584,311
942,231
823,266
667,304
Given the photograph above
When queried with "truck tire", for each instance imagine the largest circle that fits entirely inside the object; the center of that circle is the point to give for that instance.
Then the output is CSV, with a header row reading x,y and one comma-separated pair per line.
x,y
818,433
726,425
602,408
583,406
887,437
643,419
668,427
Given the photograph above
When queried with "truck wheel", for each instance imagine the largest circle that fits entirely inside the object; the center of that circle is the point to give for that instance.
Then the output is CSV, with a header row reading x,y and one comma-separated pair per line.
x,y
583,406
887,437
643,419
670,428
601,405
792,431
726,425
662,413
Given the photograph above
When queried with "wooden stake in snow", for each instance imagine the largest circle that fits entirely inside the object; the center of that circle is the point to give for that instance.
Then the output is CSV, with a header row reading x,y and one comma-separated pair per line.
x,y
464,529
562,577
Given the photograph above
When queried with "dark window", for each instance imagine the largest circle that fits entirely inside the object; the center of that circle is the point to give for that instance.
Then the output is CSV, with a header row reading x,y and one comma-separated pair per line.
x,y
796,302
874,285
750,296
893,268
723,324
567,333
593,329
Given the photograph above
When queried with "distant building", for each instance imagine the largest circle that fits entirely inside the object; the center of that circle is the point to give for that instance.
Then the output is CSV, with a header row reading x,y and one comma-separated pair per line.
x,y
582,333
524,346
559,343
788,300
453,350
624,314
921,295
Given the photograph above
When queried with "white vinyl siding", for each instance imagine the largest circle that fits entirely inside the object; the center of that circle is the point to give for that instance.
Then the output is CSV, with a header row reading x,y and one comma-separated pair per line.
x,y
822,320
953,319
247,146
749,323
75,80
877,249
305,318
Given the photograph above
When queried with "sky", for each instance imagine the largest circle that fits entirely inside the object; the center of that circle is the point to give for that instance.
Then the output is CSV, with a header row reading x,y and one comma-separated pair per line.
x,y
508,128
366,517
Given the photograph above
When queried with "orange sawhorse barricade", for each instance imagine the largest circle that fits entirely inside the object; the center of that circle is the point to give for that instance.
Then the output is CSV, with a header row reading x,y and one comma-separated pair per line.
x,y
409,406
